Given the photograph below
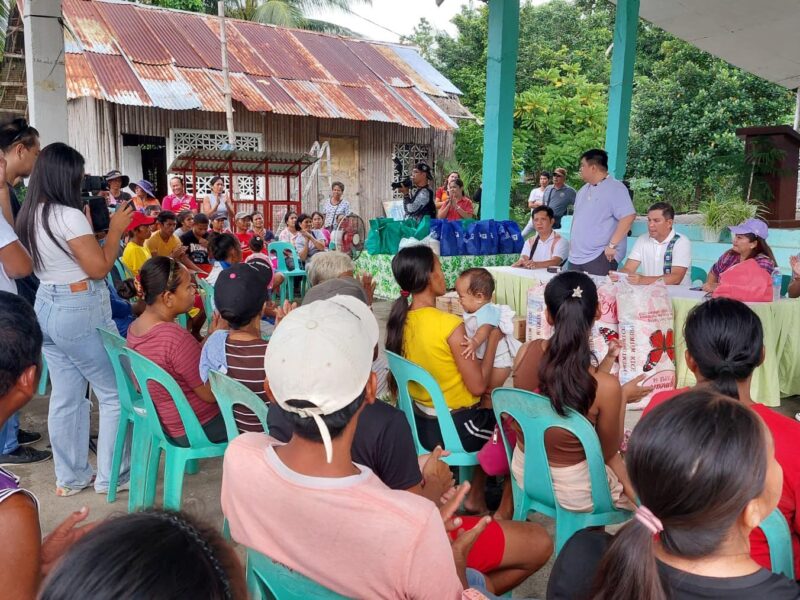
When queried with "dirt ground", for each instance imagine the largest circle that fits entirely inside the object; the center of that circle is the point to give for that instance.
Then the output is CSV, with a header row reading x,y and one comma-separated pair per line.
x,y
201,491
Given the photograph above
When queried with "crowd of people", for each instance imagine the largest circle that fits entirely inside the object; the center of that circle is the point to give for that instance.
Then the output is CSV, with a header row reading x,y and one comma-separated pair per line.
x,y
342,496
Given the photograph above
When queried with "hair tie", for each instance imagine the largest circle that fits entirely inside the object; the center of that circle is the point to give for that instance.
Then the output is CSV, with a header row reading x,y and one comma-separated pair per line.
x,y
648,519
577,292
405,293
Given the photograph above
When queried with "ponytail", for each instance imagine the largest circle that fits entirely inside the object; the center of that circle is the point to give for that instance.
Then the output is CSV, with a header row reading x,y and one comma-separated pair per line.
x,y
564,376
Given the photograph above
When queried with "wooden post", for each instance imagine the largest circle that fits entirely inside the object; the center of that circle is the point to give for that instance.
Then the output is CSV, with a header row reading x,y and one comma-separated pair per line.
x,y
226,77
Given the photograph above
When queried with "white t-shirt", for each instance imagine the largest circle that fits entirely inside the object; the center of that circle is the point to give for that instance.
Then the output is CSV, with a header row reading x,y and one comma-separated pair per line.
x,y
536,195
650,255
555,245
7,236
60,267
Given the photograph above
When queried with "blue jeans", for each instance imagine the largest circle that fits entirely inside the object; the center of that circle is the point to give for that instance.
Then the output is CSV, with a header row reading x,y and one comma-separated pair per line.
x,y
8,435
75,355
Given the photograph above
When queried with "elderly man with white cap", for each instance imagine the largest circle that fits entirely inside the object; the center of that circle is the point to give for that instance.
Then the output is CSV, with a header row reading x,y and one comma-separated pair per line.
x,y
305,504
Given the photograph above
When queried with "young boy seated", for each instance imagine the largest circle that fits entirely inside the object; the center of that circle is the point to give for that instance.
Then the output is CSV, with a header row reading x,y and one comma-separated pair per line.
x,y
239,295
475,288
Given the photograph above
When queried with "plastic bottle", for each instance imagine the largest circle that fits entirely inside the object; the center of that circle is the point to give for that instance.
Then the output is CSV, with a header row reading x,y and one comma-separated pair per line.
x,y
776,284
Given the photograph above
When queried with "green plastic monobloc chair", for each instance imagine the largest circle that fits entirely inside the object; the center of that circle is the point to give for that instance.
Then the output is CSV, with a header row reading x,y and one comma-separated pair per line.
x,y
406,372
229,393
535,415
267,579
132,414
698,274
178,459
287,287
779,540
208,299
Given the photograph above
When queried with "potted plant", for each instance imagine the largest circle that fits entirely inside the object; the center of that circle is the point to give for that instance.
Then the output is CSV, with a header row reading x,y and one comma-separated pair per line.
x,y
720,212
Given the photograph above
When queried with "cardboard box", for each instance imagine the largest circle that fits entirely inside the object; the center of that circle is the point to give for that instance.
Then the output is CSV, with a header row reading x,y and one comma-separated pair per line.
x,y
520,327
449,303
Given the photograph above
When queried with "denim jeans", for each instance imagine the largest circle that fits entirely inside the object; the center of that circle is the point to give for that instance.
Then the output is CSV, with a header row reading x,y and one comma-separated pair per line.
x,y
75,355
8,435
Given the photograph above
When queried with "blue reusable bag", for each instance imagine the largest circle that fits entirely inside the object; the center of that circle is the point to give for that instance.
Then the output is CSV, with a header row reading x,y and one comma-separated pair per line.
x,y
436,229
509,238
452,242
472,239
487,234
516,236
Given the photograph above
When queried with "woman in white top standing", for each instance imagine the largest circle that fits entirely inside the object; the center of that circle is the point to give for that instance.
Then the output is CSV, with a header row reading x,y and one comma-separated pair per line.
x,y
71,303
335,206
218,200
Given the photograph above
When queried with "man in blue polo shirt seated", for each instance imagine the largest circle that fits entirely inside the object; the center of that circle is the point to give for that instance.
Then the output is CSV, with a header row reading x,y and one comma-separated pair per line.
x,y
661,253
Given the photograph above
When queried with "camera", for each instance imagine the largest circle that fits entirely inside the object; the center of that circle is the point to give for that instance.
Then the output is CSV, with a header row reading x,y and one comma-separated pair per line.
x,y
98,208
396,185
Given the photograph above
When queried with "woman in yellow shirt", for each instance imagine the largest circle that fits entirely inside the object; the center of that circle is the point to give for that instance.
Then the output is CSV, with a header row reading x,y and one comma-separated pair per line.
x,y
433,339
136,253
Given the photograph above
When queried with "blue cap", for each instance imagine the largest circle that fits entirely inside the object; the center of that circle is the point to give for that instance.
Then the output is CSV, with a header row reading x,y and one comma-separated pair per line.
x,y
756,227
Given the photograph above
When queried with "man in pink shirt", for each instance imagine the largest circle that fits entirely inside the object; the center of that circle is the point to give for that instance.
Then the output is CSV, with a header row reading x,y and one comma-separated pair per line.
x,y
306,505
178,200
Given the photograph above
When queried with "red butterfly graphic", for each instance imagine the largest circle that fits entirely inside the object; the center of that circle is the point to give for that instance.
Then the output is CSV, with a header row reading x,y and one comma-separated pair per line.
x,y
608,334
660,343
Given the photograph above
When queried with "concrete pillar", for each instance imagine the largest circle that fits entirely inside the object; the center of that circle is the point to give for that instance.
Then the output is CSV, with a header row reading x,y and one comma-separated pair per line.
x,y
44,65
621,86
501,70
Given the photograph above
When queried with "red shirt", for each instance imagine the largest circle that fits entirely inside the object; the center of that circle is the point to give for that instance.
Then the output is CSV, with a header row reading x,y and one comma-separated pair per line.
x,y
464,204
176,205
174,349
785,433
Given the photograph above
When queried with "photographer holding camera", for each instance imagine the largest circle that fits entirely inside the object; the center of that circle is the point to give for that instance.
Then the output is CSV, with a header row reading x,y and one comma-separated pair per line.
x,y
71,303
420,203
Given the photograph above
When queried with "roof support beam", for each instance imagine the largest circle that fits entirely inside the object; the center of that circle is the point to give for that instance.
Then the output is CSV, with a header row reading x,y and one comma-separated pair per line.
x,y
621,86
44,66
501,70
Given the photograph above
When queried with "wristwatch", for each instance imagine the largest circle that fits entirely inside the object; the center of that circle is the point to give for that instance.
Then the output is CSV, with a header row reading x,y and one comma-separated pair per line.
x,y
612,245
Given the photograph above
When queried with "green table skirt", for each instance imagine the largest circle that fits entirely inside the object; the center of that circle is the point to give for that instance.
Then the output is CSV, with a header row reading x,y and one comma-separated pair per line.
x,y
380,267
777,378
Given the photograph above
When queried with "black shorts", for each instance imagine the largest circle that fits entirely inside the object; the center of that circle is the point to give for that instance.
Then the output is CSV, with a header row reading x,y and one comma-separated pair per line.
x,y
474,426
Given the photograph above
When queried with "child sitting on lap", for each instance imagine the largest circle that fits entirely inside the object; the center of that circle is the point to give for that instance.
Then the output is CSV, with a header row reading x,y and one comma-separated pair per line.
x,y
475,288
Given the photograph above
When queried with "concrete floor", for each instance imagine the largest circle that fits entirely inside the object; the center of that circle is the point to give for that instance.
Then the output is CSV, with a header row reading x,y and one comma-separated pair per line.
x,y
201,491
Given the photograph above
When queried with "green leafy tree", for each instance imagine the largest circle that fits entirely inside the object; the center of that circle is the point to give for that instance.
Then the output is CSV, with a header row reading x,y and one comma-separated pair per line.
x,y
424,37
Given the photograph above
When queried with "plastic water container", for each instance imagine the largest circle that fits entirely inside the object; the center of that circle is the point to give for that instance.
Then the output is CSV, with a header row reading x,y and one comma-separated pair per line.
x,y
776,284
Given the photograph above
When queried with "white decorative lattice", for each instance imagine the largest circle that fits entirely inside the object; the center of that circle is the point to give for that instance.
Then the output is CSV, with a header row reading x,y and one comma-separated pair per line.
x,y
183,140
409,155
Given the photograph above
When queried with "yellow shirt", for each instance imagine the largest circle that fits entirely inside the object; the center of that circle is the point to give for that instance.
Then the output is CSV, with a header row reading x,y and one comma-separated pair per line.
x,y
134,257
425,343
158,247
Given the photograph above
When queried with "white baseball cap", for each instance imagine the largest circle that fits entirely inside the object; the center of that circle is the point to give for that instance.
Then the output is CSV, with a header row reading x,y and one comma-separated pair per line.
x,y
322,353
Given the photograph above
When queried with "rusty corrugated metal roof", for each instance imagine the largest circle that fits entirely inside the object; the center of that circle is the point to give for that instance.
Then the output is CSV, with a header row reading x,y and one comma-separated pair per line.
x,y
141,55
212,162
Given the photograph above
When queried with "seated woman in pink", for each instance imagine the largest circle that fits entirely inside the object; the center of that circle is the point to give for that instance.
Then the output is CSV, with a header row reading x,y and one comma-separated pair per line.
x,y
457,205
169,291
749,241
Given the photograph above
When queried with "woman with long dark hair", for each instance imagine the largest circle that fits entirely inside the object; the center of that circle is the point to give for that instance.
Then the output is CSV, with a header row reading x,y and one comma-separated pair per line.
x,y
71,303
564,369
724,346
704,468
432,338
218,200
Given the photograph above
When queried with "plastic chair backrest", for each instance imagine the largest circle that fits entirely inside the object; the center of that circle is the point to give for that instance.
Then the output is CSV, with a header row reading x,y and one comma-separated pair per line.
x,y
114,346
779,540
208,298
698,274
269,579
279,248
146,371
785,281
230,392
406,372
122,270
535,415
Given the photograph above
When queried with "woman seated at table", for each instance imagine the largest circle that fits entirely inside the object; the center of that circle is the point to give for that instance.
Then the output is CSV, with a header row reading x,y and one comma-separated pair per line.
x,y
563,368
547,248
433,339
457,205
724,346
169,291
749,241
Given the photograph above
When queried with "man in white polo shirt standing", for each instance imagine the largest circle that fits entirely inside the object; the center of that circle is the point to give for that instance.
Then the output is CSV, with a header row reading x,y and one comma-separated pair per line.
x,y
662,253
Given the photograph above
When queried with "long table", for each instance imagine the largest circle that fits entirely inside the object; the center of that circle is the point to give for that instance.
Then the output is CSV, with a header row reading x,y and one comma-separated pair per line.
x,y
380,267
778,377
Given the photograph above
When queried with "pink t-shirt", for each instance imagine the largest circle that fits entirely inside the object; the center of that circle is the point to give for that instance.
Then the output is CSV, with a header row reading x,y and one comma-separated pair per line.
x,y
175,204
176,351
352,535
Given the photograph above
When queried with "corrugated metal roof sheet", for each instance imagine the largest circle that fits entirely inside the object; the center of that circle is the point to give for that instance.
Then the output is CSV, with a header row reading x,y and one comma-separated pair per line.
x,y
140,55
211,162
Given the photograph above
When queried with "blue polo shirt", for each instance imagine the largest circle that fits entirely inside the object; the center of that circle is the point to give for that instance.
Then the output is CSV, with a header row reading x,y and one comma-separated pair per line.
x,y
598,210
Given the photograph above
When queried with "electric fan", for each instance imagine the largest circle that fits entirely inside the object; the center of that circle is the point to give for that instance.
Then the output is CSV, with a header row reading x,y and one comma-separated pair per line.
x,y
350,235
